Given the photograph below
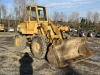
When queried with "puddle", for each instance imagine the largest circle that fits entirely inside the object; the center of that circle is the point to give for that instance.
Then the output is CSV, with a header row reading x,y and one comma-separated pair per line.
x,y
95,58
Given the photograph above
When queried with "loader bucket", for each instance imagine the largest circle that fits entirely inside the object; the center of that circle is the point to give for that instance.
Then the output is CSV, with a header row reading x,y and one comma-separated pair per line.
x,y
69,51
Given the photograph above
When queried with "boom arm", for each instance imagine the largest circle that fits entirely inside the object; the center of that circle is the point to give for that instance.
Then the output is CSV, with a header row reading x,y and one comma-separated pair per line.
x,y
51,31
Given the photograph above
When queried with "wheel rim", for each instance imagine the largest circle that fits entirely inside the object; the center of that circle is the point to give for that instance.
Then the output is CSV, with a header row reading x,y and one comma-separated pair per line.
x,y
83,34
36,46
17,41
91,34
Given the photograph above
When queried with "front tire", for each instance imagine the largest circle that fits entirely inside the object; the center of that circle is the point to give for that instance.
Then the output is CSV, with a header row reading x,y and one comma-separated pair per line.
x,y
39,46
20,42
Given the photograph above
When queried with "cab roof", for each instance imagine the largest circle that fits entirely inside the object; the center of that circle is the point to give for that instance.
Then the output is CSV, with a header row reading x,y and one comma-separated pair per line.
x,y
35,6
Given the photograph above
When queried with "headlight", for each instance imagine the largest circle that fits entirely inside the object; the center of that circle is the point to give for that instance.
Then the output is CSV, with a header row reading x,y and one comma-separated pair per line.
x,y
39,25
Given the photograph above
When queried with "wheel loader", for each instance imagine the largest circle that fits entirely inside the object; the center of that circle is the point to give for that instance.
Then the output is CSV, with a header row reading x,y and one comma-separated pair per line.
x,y
47,41
2,28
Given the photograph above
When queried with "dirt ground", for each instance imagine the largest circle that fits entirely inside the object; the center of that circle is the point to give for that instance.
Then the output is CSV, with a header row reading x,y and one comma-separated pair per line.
x,y
15,62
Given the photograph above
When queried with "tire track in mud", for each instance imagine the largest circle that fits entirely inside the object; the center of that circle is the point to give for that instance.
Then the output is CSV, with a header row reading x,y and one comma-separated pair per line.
x,y
94,40
6,41
9,62
88,67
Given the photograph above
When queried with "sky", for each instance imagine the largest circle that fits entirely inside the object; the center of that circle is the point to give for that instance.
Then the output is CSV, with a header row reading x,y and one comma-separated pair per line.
x,y
66,6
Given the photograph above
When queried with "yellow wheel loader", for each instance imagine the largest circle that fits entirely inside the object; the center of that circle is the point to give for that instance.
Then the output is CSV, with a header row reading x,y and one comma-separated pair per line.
x,y
2,28
47,41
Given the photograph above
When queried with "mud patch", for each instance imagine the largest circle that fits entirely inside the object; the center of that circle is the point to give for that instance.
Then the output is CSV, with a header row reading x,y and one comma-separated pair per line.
x,y
15,59
95,58
69,70
13,62
2,58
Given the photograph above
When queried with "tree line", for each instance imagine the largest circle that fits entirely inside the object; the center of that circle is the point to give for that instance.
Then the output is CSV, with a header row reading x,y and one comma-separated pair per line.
x,y
13,16
17,12
92,19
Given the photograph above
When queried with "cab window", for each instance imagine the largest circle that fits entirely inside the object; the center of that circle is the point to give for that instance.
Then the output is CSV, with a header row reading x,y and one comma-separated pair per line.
x,y
27,14
42,14
33,14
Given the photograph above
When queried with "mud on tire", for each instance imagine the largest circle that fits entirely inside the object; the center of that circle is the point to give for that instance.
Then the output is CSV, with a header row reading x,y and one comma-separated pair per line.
x,y
19,42
39,46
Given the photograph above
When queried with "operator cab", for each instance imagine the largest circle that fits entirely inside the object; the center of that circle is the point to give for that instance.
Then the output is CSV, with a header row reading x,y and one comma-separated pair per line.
x,y
36,13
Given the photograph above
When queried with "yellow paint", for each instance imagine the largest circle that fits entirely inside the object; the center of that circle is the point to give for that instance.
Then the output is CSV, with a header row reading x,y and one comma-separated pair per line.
x,y
37,23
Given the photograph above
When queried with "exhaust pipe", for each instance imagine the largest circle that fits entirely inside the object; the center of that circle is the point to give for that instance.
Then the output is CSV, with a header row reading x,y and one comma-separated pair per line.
x,y
69,51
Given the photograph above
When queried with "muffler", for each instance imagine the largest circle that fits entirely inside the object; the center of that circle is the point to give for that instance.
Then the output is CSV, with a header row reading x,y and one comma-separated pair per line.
x,y
69,51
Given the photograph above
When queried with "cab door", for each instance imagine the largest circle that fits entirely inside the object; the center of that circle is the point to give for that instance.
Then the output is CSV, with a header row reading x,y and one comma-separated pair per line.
x,y
30,20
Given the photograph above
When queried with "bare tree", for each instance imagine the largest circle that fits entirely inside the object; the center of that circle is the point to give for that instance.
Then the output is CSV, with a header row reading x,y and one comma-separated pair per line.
x,y
63,17
32,2
89,16
19,6
73,19
96,17
11,15
56,16
74,16
3,11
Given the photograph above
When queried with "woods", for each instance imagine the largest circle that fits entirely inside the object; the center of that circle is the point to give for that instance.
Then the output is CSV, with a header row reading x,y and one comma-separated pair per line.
x,y
90,20
74,20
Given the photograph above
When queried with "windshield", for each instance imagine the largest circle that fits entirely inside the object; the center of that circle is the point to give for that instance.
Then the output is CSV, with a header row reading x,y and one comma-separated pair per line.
x,y
33,14
42,14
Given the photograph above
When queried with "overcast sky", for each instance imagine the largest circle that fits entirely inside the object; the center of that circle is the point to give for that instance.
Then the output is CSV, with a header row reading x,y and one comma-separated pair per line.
x,y
66,6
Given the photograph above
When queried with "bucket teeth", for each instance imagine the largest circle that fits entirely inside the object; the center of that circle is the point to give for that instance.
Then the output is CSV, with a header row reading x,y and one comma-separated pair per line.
x,y
69,51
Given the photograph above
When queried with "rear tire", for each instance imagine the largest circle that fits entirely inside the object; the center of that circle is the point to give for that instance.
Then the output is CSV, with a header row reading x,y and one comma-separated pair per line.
x,y
83,34
20,42
39,46
92,34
